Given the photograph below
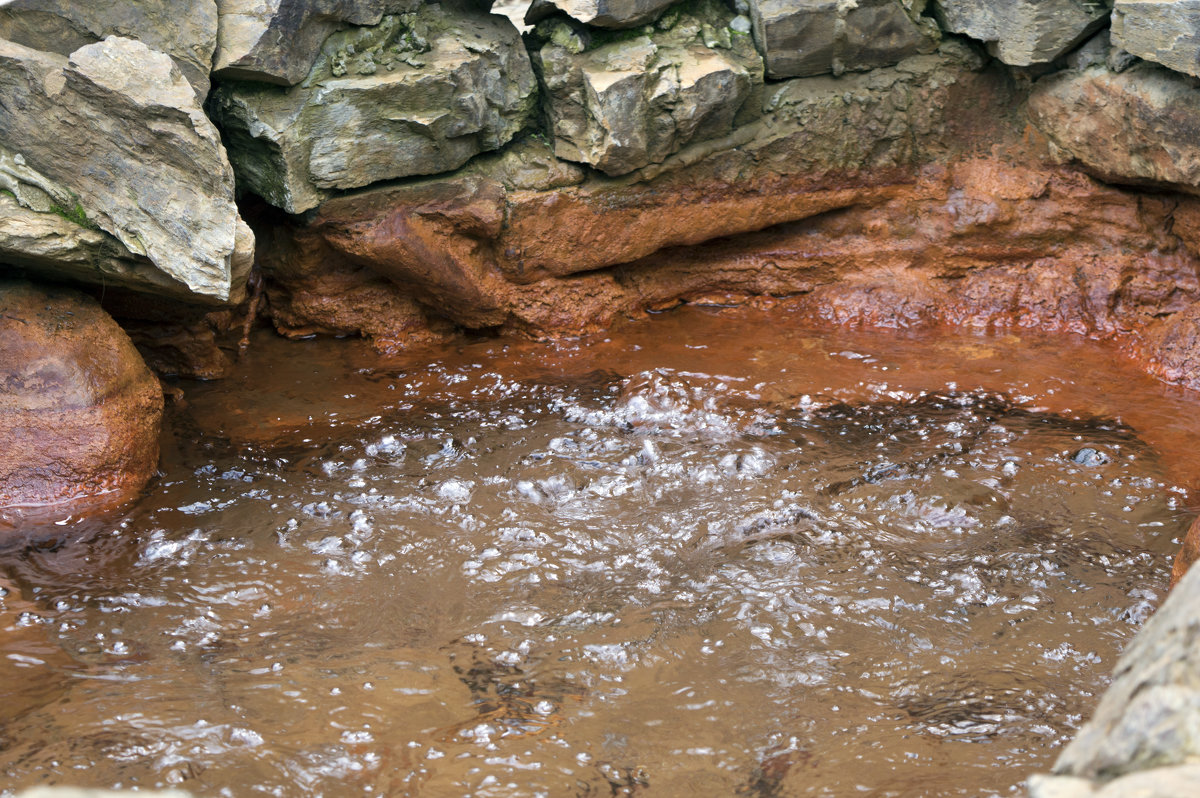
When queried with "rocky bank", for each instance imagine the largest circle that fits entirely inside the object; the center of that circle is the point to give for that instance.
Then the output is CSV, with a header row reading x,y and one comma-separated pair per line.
x,y
400,169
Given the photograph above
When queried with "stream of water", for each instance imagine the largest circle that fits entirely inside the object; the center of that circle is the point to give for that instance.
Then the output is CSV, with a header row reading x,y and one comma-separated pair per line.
x,y
705,554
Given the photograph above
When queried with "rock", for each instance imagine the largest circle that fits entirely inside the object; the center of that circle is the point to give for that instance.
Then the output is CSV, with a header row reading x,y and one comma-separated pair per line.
x,y
1167,33
1024,32
1168,782
1138,126
814,37
186,30
624,103
79,411
418,94
277,41
600,13
115,138
1150,716
1188,553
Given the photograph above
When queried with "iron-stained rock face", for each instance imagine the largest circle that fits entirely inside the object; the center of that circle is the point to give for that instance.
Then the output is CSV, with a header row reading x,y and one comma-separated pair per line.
x,y
418,94
79,410
622,103
277,41
801,38
114,137
1138,126
1165,32
186,30
600,13
1024,32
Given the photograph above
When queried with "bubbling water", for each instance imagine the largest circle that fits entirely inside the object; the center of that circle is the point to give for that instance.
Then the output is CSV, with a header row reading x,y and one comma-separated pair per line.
x,y
667,581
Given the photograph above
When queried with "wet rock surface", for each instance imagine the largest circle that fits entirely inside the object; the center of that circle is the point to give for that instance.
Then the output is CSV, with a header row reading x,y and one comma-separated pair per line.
x,y
79,411
419,93
814,37
114,136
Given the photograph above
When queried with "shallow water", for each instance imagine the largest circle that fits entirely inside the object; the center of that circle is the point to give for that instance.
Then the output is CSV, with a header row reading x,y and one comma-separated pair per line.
x,y
706,554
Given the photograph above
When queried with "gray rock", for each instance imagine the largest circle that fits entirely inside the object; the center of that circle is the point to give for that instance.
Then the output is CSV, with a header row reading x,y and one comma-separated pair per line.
x,y
47,244
801,38
622,104
600,13
1166,33
1094,51
1150,716
418,94
1137,127
1169,782
277,41
1024,32
186,30
118,128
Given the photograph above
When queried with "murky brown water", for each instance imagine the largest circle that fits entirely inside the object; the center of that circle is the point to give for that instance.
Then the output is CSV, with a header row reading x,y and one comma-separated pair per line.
x,y
709,554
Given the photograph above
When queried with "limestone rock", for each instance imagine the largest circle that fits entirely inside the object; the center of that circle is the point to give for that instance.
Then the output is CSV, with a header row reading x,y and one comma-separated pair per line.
x,y
418,94
79,411
186,30
118,129
620,105
48,244
1168,782
1167,33
1024,32
277,41
1138,126
813,37
600,13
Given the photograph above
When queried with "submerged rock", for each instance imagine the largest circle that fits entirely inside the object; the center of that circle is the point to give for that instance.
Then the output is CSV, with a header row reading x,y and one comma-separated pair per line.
x,y
1136,126
79,411
1166,33
622,103
420,93
1024,32
277,41
813,37
186,30
113,137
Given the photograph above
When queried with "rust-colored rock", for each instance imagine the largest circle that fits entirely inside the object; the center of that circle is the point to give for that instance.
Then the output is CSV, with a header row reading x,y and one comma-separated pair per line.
x,y
1188,553
80,413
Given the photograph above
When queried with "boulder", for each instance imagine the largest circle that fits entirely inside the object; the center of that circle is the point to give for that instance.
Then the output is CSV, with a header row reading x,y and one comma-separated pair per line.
x,y
418,94
800,38
186,30
621,103
114,138
600,13
1138,126
1024,32
277,41
79,411
1166,33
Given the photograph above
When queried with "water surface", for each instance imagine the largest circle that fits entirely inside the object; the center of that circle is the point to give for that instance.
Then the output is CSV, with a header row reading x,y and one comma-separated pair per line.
x,y
710,553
